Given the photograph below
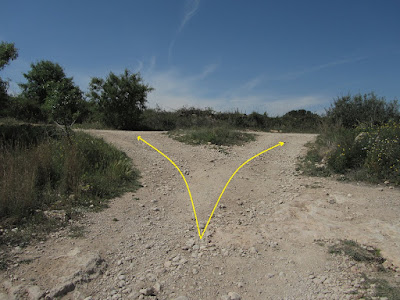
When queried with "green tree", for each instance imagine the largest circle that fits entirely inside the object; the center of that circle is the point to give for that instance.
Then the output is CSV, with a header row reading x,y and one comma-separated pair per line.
x,y
121,99
64,102
8,52
50,95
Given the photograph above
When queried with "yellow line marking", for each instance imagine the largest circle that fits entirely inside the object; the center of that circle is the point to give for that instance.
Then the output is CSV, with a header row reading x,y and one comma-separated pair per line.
x,y
226,185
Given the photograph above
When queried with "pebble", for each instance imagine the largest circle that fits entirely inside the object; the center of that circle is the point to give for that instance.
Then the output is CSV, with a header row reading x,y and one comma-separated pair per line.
x,y
234,296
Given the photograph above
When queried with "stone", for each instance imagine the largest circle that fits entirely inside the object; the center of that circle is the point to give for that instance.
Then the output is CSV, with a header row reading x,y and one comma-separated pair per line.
x,y
133,295
148,291
234,296
167,264
62,289
34,292
122,277
157,287
253,250
190,243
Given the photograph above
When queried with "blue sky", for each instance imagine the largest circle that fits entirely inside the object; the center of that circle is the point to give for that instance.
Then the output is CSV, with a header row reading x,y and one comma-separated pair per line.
x,y
271,56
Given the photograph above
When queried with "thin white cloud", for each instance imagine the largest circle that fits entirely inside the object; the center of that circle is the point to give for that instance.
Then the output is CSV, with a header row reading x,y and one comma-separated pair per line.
x,y
173,90
297,74
191,9
251,84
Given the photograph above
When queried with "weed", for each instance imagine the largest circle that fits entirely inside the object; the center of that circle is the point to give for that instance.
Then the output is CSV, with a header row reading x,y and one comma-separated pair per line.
x,y
356,251
214,135
383,288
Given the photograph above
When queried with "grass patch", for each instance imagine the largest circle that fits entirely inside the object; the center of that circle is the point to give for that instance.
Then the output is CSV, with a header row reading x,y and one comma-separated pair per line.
x,y
381,281
221,136
356,251
57,175
384,289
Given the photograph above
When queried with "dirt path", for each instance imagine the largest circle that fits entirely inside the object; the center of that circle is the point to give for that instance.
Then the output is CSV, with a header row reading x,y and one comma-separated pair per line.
x,y
261,243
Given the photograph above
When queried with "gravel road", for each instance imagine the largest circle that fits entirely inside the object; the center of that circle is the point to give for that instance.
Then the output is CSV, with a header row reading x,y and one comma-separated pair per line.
x,y
267,239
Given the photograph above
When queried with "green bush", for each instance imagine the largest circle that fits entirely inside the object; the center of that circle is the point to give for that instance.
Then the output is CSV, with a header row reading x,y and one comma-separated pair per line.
x,y
158,119
351,111
383,152
348,154
25,135
369,152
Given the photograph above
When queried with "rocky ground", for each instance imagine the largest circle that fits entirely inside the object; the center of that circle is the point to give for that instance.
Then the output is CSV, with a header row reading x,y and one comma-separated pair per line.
x,y
268,238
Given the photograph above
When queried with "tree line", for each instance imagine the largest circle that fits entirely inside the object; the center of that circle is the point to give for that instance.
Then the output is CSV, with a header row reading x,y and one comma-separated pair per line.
x,y
48,95
119,101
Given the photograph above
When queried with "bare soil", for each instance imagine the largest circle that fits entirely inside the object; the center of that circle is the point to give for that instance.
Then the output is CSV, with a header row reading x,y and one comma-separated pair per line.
x,y
267,240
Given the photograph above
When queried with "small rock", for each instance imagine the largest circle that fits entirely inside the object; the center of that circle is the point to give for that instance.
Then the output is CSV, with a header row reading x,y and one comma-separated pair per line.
x,y
349,195
331,201
133,295
148,291
167,264
253,250
240,284
121,277
34,292
182,298
190,243
62,289
157,287
234,296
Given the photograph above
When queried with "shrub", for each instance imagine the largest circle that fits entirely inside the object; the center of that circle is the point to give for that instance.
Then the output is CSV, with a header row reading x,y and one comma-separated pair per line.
x,y
383,152
60,173
347,154
369,152
351,111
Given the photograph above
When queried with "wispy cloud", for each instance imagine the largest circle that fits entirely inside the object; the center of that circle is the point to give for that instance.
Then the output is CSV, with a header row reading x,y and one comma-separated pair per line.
x,y
174,89
191,9
297,74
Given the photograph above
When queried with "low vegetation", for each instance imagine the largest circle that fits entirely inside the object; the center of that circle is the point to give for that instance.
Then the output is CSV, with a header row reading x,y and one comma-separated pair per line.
x,y
356,251
221,136
42,171
368,149
382,280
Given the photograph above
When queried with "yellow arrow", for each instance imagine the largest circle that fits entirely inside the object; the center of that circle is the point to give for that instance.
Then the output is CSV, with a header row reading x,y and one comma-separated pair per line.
x,y
187,185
